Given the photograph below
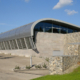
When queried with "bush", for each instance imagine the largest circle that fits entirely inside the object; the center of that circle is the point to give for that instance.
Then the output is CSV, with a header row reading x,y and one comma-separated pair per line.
x,y
47,59
28,67
44,65
38,66
17,67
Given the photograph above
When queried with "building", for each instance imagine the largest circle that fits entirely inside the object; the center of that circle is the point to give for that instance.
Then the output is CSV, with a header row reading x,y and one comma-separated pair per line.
x,y
37,37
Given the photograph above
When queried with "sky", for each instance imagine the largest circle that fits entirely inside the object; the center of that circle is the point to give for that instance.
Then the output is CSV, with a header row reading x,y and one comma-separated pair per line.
x,y
15,13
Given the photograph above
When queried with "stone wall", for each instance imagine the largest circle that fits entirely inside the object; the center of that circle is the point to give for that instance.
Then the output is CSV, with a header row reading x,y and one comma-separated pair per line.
x,y
69,61
71,43
72,37
46,43
58,64
55,65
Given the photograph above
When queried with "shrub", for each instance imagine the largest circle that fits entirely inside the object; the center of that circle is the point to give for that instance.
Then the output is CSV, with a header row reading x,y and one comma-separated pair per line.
x,y
28,67
44,65
17,67
38,66
47,59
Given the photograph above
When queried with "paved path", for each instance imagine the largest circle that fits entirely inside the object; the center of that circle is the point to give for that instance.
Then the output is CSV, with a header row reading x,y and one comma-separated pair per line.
x,y
8,62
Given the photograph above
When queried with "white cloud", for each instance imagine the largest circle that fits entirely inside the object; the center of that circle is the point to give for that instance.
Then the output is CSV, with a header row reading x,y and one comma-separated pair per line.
x,y
62,3
69,12
27,0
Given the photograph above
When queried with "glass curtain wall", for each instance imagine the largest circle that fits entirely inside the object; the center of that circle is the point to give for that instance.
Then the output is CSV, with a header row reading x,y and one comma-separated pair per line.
x,y
19,43
2,46
53,28
23,43
15,45
8,46
28,42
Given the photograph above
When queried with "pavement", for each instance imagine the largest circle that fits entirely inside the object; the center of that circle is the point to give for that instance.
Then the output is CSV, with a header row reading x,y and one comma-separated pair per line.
x,y
8,63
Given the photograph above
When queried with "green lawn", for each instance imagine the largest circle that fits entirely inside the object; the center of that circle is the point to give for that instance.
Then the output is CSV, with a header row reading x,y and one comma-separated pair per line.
x,y
75,75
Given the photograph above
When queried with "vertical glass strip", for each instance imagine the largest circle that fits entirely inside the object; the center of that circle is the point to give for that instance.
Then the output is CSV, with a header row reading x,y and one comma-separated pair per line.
x,y
23,43
28,42
19,43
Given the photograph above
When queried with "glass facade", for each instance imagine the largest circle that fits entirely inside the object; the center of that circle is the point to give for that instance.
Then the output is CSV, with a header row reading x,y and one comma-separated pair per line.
x,y
53,28
27,42
21,43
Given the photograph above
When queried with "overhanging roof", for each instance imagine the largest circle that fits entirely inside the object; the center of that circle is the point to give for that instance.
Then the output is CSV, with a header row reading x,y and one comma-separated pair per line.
x,y
28,29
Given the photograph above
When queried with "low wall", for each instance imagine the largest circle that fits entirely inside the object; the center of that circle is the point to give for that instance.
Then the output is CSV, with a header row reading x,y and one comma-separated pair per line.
x,y
58,64
19,52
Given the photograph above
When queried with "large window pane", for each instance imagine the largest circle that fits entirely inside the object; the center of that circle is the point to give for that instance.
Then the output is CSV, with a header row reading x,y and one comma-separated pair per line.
x,y
0,46
28,42
12,44
6,45
53,28
23,43
19,43
3,46
15,45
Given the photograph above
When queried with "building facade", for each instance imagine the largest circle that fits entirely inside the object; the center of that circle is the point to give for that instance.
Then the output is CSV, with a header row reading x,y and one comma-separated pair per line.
x,y
41,37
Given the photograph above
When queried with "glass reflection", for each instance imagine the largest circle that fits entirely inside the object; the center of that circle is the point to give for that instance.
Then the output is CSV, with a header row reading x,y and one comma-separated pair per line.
x,y
53,28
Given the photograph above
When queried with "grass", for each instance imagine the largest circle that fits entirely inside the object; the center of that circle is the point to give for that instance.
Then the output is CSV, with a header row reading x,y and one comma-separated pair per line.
x,y
75,75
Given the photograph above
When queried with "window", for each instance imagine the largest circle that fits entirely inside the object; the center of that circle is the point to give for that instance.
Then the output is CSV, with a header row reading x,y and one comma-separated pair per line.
x,y
23,43
12,45
28,42
19,43
6,45
15,45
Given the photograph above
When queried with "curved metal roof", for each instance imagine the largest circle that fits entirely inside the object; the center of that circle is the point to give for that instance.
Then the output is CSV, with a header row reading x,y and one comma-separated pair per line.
x,y
28,29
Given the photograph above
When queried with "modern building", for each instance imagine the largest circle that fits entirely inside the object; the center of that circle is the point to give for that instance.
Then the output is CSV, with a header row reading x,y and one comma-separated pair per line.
x,y
24,38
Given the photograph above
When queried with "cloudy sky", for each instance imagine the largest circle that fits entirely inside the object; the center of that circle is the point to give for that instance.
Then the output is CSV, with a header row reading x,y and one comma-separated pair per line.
x,y
15,13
